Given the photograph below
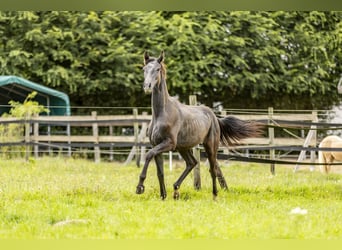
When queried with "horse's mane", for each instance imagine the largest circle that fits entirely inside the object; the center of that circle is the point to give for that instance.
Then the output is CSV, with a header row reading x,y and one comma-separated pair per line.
x,y
163,68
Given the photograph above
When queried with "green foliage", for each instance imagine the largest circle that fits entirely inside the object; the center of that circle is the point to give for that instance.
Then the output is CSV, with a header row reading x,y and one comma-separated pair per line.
x,y
241,58
56,198
27,109
14,132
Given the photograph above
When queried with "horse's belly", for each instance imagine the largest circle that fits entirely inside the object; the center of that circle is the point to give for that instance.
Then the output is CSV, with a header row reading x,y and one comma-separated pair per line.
x,y
189,139
186,144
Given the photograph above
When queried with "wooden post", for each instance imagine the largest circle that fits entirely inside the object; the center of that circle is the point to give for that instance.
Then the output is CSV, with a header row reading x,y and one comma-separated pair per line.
x,y
36,135
225,149
139,137
49,142
111,153
136,137
309,140
134,148
69,141
313,140
27,140
96,136
271,138
197,152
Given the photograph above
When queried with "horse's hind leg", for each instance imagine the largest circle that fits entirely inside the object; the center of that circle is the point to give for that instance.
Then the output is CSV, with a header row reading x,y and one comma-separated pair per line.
x,y
321,160
328,164
220,177
327,168
191,162
160,173
214,172
326,159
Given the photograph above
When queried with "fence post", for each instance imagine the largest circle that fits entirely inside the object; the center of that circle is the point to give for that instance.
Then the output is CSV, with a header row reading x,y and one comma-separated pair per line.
x,y
225,149
136,136
49,142
111,153
69,140
309,140
36,135
197,152
27,139
96,136
134,150
271,137
314,140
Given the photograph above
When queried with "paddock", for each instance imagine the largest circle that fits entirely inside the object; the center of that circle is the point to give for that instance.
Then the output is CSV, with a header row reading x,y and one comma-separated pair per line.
x,y
67,198
56,194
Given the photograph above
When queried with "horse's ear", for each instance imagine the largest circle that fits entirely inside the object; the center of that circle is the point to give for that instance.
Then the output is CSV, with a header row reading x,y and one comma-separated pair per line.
x,y
146,57
161,57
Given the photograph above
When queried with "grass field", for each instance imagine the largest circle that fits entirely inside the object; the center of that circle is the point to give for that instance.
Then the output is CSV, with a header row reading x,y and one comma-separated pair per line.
x,y
57,198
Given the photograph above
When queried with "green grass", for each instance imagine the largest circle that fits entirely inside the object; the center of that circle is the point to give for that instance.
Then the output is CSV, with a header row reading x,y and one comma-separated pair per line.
x,y
56,198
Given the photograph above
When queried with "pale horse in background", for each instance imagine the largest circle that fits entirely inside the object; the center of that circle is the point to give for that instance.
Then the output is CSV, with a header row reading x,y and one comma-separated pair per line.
x,y
326,158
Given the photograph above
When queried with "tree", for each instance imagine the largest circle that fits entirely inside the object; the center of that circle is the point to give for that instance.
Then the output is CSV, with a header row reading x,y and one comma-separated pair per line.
x,y
243,59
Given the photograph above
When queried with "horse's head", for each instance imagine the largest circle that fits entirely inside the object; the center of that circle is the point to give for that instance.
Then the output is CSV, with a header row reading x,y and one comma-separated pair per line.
x,y
153,71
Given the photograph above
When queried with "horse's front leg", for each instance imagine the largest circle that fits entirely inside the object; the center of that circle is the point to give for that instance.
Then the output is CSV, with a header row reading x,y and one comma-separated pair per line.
x,y
141,188
165,146
191,162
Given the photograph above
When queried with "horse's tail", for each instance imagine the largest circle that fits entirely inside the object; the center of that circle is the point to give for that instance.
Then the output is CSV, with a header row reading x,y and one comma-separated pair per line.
x,y
234,129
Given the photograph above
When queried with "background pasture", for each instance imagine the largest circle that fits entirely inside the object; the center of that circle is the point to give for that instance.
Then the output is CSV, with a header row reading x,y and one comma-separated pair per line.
x,y
59,198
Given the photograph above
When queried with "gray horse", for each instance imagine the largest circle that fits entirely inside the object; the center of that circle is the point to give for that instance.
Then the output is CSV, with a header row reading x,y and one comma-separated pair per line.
x,y
180,127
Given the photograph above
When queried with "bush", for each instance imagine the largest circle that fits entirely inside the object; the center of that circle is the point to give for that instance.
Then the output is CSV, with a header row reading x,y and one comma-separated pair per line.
x,y
15,132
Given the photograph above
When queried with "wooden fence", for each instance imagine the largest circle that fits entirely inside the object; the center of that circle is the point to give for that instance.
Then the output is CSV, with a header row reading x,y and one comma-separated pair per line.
x,y
138,141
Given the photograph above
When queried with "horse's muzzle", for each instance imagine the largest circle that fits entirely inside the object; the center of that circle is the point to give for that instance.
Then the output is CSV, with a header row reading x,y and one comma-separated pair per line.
x,y
147,88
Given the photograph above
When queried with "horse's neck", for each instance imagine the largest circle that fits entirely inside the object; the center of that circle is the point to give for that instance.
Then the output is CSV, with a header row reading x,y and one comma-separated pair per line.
x,y
160,98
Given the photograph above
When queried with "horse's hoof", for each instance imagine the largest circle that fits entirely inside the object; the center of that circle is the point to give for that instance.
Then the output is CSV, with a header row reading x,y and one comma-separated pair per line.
x,y
222,183
224,187
140,189
163,197
215,195
176,195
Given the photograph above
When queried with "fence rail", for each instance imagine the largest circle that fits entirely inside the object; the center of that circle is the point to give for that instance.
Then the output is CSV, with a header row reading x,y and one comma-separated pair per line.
x,y
138,124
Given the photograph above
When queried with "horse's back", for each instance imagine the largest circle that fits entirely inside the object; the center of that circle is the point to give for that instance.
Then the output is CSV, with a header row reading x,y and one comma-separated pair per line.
x,y
196,124
326,158
331,141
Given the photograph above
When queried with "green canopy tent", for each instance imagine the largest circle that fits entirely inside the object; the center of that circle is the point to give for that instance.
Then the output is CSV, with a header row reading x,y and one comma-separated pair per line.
x,y
16,88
